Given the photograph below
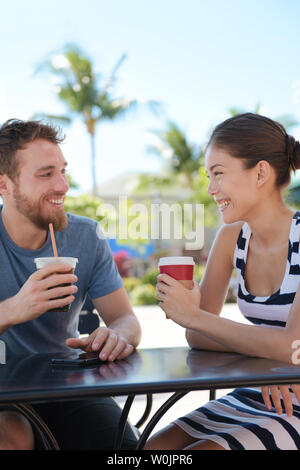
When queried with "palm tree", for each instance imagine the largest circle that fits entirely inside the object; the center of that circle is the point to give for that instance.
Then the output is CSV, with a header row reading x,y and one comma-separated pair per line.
x,y
86,94
181,158
183,167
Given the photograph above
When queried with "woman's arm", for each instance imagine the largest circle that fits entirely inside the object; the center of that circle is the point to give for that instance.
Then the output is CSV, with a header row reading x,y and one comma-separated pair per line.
x,y
258,341
197,340
251,340
214,284
199,314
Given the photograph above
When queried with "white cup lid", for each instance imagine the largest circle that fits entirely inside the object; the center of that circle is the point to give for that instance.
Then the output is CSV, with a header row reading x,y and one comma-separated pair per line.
x,y
170,260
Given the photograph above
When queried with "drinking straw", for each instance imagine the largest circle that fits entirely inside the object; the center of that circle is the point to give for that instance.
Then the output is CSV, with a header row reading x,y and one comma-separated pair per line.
x,y
53,240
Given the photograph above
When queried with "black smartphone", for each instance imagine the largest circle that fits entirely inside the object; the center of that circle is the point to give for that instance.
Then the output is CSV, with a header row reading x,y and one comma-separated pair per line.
x,y
81,360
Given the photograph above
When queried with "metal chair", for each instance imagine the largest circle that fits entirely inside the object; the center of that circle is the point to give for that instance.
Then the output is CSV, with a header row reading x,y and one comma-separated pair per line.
x,y
47,439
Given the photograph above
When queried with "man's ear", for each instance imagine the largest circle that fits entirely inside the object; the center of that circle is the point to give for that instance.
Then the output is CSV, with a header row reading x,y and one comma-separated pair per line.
x,y
3,185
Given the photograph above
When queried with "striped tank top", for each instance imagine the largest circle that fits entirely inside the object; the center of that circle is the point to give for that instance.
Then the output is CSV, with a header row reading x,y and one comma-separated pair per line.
x,y
240,420
272,310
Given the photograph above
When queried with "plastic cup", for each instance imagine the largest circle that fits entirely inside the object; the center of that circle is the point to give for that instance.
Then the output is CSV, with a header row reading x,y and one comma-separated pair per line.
x,y
42,262
180,268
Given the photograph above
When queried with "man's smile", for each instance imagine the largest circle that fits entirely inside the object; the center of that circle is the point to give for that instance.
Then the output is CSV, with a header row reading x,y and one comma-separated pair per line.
x,y
58,203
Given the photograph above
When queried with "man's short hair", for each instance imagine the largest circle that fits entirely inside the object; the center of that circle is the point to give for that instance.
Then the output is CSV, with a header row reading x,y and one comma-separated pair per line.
x,y
15,134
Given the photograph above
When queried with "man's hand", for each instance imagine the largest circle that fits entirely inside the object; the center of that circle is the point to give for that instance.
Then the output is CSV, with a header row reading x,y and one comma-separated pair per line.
x,y
122,332
34,298
110,344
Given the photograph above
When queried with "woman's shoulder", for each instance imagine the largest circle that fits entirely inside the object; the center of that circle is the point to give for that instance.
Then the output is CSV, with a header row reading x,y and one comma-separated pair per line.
x,y
227,237
230,232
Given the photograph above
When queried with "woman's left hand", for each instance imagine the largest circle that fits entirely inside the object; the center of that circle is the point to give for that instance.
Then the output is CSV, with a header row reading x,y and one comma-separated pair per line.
x,y
276,391
178,302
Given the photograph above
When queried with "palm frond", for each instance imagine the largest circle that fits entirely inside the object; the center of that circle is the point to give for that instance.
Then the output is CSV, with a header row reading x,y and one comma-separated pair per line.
x,y
84,92
112,77
52,118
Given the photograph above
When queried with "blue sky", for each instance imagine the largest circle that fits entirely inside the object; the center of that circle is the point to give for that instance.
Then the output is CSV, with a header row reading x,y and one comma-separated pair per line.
x,y
198,58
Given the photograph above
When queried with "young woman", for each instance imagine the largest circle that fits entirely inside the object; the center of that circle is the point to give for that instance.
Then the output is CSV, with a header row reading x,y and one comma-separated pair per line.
x,y
248,160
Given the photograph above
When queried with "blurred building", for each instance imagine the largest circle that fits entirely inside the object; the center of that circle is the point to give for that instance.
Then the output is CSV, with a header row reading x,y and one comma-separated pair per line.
x,y
126,184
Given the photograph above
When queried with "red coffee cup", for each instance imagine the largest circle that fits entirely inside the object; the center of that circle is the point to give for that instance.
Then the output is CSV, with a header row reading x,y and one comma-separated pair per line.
x,y
180,268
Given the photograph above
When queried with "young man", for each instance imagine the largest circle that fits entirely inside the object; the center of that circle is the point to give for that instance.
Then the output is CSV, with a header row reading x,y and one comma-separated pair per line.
x,y
33,186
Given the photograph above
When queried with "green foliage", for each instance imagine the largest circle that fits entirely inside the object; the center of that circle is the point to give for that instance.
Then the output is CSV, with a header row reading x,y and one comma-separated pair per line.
x,y
81,89
90,206
183,168
181,156
140,291
155,184
144,295
150,276
84,205
184,156
72,183
198,272
84,93
200,195
143,291
130,283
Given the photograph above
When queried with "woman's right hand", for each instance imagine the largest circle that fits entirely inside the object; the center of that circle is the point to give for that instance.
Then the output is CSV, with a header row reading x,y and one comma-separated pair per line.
x,y
275,391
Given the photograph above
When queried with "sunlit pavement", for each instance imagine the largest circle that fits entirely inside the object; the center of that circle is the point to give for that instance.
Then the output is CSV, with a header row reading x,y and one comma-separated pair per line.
x,y
159,332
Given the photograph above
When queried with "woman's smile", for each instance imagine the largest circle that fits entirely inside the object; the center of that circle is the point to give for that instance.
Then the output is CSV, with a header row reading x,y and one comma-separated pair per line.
x,y
223,204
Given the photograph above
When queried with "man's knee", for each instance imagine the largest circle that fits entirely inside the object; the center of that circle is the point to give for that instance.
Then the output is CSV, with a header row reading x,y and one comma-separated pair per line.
x,y
15,432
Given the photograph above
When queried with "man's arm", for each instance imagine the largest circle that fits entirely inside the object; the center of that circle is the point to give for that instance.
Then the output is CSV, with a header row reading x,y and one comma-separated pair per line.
x,y
122,332
5,309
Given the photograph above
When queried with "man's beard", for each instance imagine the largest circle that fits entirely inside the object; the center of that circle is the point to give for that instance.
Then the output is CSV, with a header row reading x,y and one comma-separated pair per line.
x,y
37,213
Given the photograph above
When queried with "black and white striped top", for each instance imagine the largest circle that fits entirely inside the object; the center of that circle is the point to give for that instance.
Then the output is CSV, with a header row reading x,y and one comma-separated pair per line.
x,y
272,310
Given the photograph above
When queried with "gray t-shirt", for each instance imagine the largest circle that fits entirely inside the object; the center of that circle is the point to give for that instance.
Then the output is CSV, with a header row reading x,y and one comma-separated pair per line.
x,y
97,276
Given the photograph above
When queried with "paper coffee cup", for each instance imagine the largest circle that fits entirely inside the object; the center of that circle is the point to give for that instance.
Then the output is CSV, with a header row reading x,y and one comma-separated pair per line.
x,y
42,262
180,268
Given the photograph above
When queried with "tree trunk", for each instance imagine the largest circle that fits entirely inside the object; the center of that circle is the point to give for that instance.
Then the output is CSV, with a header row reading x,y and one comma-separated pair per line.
x,y
93,164
90,124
